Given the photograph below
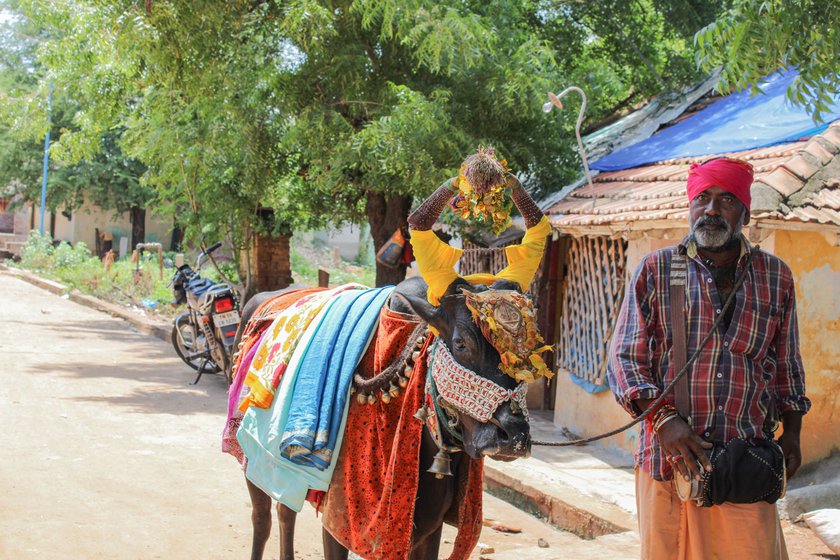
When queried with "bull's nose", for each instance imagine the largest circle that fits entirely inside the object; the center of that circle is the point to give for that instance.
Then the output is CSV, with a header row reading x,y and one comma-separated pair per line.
x,y
518,444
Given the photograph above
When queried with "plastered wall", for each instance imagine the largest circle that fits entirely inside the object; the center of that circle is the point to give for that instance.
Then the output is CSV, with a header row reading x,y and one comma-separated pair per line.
x,y
815,263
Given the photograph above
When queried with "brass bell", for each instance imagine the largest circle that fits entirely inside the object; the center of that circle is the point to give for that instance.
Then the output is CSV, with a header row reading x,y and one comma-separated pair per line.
x,y
415,355
394,390
371,399
362,398
440,465
386,397
421,414
403,381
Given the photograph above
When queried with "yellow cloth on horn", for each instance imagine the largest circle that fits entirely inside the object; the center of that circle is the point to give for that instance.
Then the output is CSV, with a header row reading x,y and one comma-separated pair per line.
x,y
436,260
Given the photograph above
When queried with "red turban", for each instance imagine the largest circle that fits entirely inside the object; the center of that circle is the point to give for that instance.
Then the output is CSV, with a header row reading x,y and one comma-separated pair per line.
x,y
732,175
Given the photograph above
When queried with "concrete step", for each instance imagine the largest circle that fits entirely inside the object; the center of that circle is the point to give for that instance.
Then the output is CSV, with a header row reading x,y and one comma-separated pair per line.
x,y
586,490
14,247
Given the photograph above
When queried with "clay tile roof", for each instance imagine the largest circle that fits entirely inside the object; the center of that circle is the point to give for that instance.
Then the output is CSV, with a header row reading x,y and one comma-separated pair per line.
x,y
797,181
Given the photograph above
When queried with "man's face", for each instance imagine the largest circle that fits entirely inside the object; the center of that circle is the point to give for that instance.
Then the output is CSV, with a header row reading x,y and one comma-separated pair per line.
x,y
716,217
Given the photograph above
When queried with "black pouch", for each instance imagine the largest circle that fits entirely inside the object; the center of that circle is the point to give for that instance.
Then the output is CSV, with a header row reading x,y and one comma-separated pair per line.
x,y
743,472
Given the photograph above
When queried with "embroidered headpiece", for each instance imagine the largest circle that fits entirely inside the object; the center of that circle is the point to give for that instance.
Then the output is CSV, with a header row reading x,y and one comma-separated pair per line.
x,y
508,320
467,391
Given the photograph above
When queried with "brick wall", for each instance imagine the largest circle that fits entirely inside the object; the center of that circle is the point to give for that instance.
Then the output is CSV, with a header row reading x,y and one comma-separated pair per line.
x,y
271,264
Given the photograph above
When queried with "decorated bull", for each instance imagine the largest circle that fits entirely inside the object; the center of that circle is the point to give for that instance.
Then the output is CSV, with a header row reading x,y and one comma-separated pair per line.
x,y
378,406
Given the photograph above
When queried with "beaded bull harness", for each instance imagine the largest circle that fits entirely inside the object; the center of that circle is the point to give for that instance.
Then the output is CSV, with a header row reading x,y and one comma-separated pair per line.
x,y
465,390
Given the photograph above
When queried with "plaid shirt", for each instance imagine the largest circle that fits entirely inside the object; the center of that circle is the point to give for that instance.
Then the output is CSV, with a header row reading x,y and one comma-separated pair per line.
x,y
733,378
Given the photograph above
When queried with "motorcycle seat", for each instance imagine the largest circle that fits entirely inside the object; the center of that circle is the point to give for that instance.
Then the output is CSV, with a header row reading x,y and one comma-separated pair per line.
x,y
198,286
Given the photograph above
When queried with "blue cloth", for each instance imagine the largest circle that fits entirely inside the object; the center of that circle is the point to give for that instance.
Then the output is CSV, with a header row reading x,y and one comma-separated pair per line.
x,y
260,431
737,122
322,387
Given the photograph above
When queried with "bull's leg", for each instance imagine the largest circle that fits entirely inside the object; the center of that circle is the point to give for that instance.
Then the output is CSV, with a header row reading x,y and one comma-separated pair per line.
x,y
428,546
260,519
287,518
333,550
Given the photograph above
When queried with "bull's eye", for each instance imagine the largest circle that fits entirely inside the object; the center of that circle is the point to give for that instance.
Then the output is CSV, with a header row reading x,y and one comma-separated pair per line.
x,y
459,344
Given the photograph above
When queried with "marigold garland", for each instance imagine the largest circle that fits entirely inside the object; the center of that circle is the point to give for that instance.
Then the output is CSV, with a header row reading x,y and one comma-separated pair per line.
x,y
483,198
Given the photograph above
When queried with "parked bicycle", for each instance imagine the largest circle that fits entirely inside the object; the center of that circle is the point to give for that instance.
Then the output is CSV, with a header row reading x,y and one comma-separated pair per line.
x,y
203,336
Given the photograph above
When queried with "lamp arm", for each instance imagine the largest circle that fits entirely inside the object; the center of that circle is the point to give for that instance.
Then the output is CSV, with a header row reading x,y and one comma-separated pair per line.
x,y
555,100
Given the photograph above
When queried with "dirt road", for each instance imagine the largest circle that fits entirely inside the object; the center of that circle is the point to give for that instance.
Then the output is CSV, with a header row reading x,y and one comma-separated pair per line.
x,y
107,452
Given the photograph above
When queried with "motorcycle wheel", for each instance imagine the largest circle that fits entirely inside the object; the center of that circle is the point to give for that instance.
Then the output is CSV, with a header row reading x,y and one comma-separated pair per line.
x,y
187,344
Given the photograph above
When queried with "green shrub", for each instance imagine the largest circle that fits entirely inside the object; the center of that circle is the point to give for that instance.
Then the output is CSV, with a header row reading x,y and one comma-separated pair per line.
x,y
37,253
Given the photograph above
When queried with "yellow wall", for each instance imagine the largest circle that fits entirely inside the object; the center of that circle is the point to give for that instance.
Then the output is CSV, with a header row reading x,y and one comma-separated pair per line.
x,y
816,267
815,264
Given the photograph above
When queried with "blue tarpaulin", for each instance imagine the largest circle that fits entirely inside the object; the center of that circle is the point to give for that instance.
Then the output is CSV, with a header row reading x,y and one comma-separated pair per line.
x,y
740,121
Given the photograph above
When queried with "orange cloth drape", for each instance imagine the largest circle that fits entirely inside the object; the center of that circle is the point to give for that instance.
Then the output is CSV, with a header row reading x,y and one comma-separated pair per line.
x,y
671,529
369,507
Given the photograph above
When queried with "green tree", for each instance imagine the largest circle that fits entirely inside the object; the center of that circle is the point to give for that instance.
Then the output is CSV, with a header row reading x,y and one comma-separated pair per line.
x,y
758,37
108,179
345,109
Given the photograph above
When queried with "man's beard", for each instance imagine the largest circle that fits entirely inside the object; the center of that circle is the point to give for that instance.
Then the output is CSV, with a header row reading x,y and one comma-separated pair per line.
x,y
719,235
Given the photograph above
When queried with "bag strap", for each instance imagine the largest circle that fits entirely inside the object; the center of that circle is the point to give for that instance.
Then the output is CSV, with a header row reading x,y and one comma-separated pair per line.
x,y
678,279
679,352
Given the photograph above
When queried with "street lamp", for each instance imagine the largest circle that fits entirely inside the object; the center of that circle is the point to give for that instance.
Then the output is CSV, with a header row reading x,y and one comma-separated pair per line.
x,y
554,101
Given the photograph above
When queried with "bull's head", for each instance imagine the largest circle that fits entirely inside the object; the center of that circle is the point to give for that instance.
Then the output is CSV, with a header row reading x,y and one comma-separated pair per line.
x,y
503,433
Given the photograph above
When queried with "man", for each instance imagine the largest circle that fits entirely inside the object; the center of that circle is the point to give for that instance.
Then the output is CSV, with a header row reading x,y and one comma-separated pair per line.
x,y
751,359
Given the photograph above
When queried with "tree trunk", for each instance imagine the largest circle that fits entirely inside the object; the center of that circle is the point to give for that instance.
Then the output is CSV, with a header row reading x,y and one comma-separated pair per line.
x,y
138,226
385,216
177,237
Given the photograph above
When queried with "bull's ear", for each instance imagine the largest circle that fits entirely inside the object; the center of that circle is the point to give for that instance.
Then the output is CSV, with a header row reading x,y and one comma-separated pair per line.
x,y
505,284
428,312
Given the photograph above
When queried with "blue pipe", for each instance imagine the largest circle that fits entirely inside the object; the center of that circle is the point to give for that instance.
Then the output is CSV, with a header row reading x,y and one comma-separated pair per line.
x,y
46,160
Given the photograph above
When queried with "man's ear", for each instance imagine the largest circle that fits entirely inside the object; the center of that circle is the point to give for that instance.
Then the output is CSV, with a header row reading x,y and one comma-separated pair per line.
x,y
434,316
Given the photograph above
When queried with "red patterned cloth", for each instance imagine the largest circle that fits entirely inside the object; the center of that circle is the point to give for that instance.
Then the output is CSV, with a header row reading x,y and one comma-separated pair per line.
x,y
370,505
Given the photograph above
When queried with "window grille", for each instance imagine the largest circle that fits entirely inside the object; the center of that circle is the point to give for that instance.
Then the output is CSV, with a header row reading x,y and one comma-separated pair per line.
x,y
592,292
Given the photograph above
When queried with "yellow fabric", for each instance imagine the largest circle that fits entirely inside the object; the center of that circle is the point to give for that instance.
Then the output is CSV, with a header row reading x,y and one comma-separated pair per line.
x,y
436,260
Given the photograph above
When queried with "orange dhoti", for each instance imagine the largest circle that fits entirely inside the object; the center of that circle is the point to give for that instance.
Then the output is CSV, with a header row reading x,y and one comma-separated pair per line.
x,y
671,529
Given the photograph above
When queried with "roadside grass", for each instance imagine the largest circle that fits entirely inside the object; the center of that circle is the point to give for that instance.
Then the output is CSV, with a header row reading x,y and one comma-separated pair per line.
x,y
142,287
139,285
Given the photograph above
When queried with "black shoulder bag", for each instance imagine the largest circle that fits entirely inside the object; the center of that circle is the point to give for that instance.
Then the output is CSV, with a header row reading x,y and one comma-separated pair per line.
x,y
743,472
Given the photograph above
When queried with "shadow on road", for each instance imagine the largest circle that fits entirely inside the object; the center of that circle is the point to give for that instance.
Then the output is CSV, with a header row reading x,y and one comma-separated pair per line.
x,y
128,355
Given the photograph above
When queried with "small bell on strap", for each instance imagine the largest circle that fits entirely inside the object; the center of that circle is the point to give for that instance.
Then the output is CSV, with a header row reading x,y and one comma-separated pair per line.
x,y
362,397
394,390
403,381
440,465
422,413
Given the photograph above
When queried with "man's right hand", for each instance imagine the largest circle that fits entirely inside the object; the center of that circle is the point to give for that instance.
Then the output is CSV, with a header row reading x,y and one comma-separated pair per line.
x,y
683,448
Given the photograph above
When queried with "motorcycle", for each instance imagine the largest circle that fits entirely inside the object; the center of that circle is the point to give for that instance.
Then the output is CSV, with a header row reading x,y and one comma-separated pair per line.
x,y
203,336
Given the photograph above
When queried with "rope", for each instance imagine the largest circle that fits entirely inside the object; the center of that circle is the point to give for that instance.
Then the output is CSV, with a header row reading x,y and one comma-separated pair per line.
x,y
396,367
655,404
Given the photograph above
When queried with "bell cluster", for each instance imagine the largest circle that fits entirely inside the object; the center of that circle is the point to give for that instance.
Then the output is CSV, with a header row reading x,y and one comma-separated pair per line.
x,y
393,380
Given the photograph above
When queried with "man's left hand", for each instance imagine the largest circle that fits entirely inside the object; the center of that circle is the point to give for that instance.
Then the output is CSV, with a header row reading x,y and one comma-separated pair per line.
x,y
789,443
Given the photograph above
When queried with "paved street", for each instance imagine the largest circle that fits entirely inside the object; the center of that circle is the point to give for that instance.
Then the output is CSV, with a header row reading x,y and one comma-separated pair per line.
x,y
109,453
